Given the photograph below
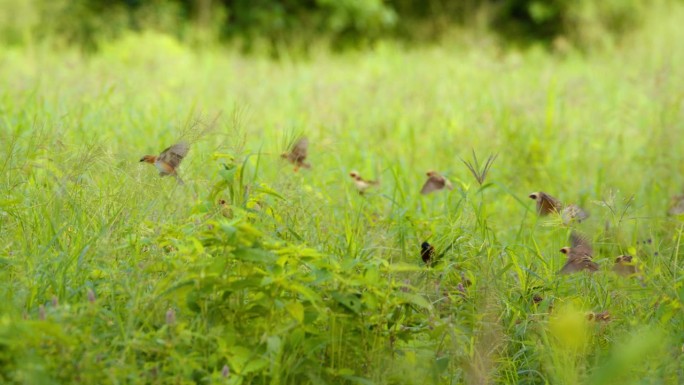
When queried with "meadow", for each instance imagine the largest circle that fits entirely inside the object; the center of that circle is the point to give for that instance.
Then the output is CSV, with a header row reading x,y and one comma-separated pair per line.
x,y
252,273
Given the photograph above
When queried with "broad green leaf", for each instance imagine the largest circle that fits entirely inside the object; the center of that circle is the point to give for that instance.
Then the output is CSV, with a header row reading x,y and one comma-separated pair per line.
x,y
296,310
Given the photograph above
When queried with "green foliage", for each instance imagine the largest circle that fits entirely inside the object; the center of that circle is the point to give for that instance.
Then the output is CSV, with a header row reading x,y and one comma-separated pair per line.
x,y
285,26
587,22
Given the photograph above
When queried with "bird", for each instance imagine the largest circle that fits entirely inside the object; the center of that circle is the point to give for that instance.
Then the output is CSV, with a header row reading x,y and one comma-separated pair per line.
x,y
427,252
168,161
624,266
546,204
298,153
362,184
435,182
676,205
429,255
603,316
579,255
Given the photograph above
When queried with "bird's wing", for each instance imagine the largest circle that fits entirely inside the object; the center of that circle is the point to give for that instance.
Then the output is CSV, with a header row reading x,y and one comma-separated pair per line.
x,y
571,266
576,263
547,204
580,244
573,213
174,154
432,184
590,265
300,149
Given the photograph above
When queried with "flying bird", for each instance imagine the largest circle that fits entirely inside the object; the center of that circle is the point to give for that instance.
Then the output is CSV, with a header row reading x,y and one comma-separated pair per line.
x,y
546,204
362,184
579,255
168,161
435,182
298,153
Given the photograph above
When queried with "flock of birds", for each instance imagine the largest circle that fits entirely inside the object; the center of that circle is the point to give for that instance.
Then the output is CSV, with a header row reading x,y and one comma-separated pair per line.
x,y
579,253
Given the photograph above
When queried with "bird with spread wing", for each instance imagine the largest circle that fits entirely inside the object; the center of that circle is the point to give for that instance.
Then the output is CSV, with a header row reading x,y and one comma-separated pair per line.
x,y
580,254
298,153
435,182
546,204
167,161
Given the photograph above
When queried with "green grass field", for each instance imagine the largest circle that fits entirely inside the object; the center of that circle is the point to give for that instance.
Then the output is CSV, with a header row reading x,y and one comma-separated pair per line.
x,y
111,274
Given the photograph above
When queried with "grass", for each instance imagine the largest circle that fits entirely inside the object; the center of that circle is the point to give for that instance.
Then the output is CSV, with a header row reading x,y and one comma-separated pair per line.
x,y
111,274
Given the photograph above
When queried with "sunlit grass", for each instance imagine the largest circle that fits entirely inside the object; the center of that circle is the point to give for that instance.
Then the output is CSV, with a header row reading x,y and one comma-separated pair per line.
x,y
297,278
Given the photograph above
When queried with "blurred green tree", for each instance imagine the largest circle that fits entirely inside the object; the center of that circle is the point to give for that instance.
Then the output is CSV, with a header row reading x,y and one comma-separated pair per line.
x,y
284,23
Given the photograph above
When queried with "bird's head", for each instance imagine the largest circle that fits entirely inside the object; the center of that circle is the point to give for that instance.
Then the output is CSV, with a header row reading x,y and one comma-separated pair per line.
x,y
431,173
424,245
565,250
354,175
148,158
534,195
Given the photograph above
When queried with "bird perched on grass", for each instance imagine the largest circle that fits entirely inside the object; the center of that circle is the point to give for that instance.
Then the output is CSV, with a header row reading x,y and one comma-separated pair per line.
x,y
427,253
362,184
603,316
579,255
624,266
546,204
297,154
168,161
435,182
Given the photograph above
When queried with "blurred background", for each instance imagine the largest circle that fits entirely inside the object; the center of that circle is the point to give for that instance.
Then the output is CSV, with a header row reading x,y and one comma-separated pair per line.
x,y
277,26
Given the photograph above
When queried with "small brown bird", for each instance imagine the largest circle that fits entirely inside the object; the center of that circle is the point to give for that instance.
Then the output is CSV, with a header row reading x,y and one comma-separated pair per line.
x,y
435,182
427,253
603,316
546,204
168,161
579,255
362,184
298,153
676,205
624,266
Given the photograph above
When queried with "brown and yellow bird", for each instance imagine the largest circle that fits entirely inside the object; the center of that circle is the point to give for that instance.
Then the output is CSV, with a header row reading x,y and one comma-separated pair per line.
x,y
362,184
625,266
297,154
546,204
579,255
168,161
435,182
